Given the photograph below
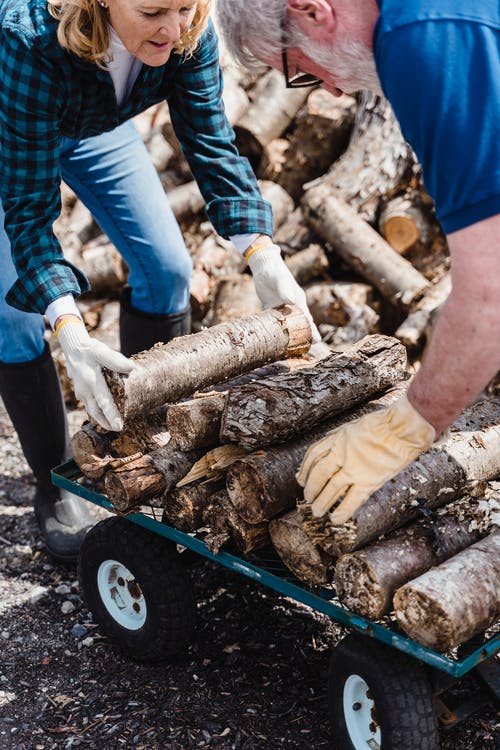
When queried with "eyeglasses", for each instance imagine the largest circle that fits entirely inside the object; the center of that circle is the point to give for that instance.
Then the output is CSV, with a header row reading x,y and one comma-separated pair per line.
x,y
298,80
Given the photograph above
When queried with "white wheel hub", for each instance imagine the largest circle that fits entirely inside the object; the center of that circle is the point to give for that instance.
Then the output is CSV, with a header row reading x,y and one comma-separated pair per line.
x,y
360,715
121,594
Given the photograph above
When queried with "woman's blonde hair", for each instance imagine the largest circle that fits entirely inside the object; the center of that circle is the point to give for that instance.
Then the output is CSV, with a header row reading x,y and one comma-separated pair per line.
x,y
84,30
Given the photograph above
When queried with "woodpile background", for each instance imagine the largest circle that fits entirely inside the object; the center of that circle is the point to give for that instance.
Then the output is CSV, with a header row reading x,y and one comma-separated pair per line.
x,y
358,232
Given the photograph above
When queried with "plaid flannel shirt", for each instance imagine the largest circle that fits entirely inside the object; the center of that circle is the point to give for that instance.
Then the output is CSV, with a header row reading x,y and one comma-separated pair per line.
x,y
47,93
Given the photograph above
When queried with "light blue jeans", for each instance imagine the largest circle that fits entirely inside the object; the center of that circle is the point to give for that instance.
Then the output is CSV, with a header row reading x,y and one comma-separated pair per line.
x,y
114,177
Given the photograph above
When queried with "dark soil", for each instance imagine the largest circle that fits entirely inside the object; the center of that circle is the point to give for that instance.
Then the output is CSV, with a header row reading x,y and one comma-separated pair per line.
x,y
254,677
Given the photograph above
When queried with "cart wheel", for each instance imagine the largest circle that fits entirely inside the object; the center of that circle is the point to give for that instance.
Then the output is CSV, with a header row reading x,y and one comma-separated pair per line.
x,y
137,589
379,699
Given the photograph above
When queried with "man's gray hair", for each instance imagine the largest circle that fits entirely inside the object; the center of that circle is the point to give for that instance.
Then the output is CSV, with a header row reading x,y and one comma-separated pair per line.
x,y
251,28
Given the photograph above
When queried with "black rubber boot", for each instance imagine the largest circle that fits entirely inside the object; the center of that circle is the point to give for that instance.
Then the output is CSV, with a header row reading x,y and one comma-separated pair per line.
x,y
140,331
32,396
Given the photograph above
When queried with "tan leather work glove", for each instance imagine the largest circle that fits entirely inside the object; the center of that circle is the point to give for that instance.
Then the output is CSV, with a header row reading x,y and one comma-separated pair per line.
x,y
356,459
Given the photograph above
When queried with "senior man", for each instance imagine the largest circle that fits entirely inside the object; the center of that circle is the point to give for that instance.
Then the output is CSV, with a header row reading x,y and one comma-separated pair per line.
x,y
439,66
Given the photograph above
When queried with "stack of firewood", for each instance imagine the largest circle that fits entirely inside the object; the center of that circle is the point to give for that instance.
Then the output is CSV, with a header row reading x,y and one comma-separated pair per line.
x,y
216,426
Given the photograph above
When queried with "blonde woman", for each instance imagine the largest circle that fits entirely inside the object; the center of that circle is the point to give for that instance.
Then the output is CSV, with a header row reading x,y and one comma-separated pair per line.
x,y
73,73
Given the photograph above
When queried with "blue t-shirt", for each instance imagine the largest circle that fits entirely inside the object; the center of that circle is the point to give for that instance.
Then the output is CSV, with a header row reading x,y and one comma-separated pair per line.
x,y
439,66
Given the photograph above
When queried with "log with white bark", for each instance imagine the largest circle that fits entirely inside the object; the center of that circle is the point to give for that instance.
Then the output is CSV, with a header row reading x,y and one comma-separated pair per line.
x,y
367,579
308,264
471,453
195,423
362,247
406,219
270,113
295,233
414,327
104,267
263,484
449,604
280,407
298,552
168,372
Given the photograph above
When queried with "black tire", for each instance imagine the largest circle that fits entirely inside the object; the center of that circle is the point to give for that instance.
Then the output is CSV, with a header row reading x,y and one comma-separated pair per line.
x,y
157,618
379,698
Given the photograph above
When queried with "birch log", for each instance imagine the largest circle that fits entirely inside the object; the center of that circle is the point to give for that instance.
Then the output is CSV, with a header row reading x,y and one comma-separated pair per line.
x,y
296,549
449,604
362,247
170,371
270,113
278,408
470,454
412,329
263,484
366,580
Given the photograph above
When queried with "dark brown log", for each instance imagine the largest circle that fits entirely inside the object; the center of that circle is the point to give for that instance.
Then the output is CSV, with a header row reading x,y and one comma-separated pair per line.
x,y
185,506
270,113
275,409
471,453
145,433
195,423
366,580
449,604
168,372
228,527
362,247
263,484
147,477
298,552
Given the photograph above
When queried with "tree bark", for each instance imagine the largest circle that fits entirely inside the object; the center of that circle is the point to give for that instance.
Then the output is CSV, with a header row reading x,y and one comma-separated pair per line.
x,y
298,552
449,604
470,454
168,372
377,162
147,477
414,327
145,433
270,113
366,580
195,423
278,408
362,247
263,484
185,506
228,527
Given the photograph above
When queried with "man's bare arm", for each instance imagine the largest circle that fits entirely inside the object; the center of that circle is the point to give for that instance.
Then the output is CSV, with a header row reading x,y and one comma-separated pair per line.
x,y
464,352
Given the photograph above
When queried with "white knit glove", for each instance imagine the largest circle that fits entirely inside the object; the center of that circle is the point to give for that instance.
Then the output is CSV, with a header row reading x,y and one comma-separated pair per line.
x,y
84,359
275,284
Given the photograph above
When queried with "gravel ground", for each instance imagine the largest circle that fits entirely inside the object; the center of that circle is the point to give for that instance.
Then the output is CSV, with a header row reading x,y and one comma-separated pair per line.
x,y
254,677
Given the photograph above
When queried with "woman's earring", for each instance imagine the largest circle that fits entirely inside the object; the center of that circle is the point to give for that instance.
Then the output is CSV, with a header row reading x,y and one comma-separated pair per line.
x,y
102,4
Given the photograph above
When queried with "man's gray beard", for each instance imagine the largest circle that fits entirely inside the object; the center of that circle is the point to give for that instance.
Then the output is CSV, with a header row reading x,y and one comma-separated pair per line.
x,y
350,62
